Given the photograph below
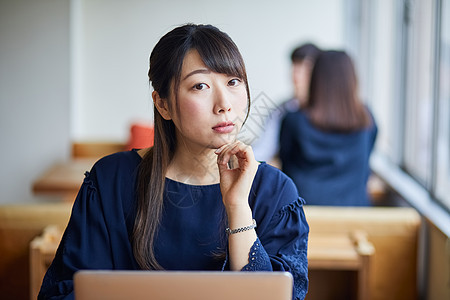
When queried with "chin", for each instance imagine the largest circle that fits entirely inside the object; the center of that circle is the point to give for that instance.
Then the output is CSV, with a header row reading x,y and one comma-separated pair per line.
x,y
223,141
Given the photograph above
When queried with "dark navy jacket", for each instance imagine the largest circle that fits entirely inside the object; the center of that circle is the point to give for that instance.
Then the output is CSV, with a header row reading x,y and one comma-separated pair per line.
x,y
328,168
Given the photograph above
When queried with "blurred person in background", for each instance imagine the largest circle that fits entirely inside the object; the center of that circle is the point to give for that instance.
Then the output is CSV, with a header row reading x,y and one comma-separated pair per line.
x,y
267,146
325,146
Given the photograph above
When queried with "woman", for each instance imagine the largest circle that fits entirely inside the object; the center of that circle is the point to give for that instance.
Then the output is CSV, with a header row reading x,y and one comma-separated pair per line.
x,y
267,146
325,146
196,200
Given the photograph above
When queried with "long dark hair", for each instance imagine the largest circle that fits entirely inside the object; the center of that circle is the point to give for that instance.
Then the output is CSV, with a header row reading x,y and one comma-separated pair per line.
x,y
334,104
220,54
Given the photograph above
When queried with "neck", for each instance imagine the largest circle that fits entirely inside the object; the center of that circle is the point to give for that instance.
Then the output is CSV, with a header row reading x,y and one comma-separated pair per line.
x,y
196,168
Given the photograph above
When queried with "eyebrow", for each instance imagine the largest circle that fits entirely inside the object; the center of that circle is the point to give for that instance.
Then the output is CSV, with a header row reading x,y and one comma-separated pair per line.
x,y
198,71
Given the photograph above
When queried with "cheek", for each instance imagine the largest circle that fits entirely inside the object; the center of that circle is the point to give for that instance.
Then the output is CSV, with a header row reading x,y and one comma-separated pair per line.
x,y
188,109
241,104
295,77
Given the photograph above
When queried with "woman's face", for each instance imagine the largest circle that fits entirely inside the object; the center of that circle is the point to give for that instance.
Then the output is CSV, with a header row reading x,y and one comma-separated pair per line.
x,y
211,106
301,75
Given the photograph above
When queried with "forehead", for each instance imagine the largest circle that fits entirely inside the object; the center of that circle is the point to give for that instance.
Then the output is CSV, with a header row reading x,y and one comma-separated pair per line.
x,y
303,65
192,62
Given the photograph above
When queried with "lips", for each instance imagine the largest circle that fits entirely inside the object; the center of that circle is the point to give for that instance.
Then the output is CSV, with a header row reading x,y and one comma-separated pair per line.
x,y
224,127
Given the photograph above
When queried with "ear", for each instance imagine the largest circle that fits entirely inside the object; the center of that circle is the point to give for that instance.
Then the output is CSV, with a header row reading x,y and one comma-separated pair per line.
x,y
161,105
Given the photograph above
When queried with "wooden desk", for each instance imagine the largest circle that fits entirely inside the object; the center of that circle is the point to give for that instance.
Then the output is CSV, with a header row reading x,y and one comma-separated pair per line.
x,y
63,179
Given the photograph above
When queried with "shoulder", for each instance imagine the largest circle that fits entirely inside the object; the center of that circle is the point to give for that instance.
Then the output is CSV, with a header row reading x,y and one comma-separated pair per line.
x,y
279,111
370,114
273,186
125,158
373,124
291,105
296,116
265,169
296,121
112,181
118,163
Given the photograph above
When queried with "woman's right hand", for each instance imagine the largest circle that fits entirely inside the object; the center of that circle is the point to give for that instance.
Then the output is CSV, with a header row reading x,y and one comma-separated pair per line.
x,y
236,182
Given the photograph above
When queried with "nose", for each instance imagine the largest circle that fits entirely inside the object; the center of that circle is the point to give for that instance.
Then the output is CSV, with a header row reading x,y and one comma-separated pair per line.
x,y
221,101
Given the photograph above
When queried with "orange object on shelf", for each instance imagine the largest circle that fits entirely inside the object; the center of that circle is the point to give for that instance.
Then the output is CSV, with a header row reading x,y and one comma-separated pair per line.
x,y
141,136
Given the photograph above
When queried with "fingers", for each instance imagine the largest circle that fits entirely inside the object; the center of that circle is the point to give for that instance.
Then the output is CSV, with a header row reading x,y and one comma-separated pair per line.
x,y
242,152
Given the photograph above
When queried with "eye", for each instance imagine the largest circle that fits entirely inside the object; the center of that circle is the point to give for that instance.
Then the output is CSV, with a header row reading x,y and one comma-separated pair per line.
x,y
200,86
234,82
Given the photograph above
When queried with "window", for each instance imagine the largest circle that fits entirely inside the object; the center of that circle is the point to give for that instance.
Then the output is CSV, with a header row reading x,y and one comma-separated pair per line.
x,y
406,80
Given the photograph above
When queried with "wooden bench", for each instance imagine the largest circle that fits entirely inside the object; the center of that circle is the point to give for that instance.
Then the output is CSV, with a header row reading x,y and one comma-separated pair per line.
x,y
394,234
343,252
19,225
42,251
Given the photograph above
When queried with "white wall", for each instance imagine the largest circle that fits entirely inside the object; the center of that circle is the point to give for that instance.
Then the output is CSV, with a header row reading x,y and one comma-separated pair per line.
x,y
34,92
115,39
77,69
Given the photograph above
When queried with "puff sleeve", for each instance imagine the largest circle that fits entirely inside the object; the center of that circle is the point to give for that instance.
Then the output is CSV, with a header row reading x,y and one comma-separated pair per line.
x,y
96,236
283,229
85,231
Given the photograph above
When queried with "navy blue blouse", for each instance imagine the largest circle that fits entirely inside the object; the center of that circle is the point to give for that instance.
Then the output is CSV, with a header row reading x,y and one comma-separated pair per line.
x,y
328,168
191,236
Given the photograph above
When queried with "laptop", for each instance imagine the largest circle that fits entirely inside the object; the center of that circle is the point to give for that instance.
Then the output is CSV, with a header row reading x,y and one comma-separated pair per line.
x,y
188,285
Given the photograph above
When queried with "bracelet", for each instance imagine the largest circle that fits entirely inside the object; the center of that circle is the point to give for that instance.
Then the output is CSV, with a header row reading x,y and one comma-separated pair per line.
x,y
237,230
